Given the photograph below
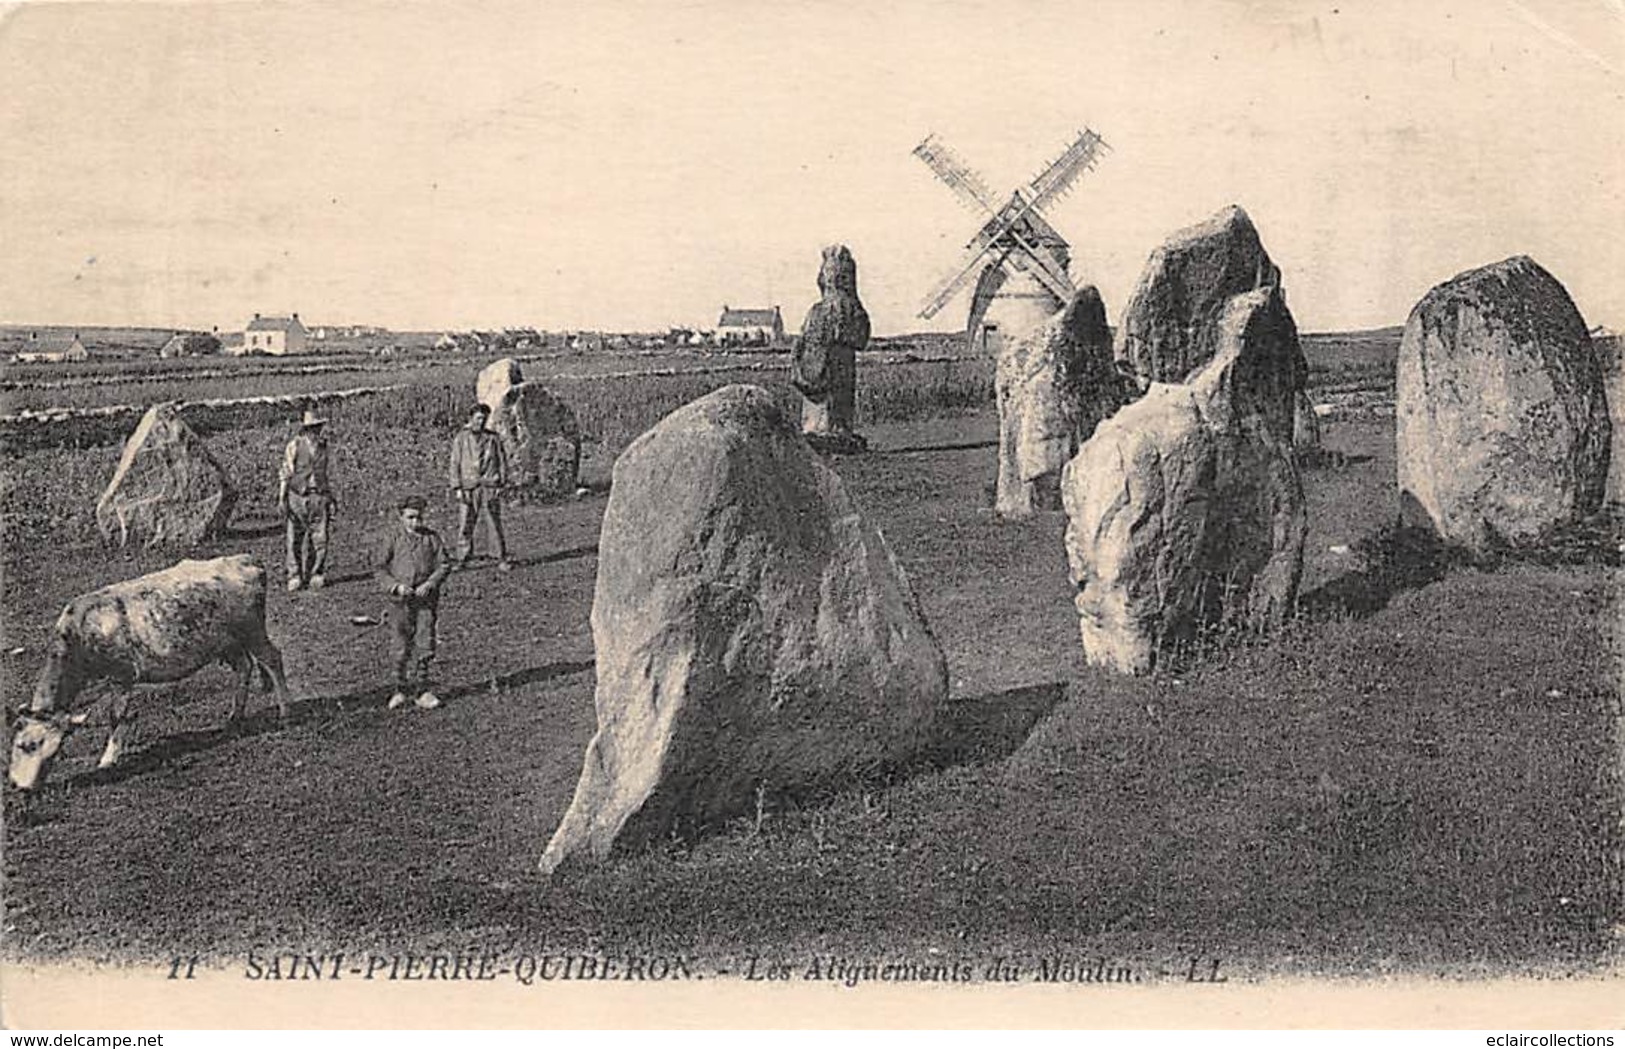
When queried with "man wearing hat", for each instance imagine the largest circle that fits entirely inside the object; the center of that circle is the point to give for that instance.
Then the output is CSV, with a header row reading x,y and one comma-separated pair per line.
x,y
306,499
411,564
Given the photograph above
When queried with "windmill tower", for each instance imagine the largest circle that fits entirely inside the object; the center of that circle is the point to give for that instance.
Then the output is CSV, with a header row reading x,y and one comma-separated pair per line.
x,y
1019,261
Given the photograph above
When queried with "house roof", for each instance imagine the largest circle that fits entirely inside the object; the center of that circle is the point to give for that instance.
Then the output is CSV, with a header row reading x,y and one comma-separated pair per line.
x,y
748,318
273,324
52,343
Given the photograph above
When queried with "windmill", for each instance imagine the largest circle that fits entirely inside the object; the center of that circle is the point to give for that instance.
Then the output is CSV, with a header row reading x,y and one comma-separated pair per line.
x,y
1017,256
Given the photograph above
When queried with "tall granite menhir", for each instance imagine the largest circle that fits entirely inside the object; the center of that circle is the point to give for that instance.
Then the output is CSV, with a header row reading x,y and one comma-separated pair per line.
x,y
752,631
168,490
1503,427
1185,508
824,365
1053,385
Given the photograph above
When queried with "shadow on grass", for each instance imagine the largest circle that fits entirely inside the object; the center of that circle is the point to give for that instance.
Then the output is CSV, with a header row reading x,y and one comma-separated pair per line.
x,y
251,531
1394,559
590,550
314,710
960,446
1322,459
1401,557
985,729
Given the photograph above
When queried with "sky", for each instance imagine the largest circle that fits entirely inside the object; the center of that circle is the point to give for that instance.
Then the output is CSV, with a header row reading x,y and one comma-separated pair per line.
x,y
631,166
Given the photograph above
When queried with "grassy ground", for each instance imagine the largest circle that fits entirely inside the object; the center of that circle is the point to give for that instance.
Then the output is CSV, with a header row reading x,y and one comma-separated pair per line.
x,y
1416,777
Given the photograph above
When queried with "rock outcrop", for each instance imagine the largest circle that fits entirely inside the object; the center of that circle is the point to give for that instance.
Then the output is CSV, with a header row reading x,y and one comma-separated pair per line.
x,y
168,488
824,363
1053,386
541,439
1503,430
752,632
495,380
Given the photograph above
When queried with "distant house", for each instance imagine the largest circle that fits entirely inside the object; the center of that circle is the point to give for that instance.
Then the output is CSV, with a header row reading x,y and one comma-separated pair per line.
x,y
522,338
52,349
274,335
190,344
750,327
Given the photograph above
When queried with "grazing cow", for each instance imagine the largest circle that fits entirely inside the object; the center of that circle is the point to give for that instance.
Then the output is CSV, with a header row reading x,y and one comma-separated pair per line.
x,y
159,628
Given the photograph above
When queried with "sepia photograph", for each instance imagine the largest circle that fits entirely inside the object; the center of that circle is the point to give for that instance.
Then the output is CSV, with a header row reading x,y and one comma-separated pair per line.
x,y
973,514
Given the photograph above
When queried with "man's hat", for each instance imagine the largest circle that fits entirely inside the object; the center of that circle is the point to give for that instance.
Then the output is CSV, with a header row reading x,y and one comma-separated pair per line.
x,y
414,502
311,418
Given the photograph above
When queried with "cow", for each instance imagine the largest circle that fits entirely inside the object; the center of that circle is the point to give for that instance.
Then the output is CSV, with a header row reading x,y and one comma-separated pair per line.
x,y
159,628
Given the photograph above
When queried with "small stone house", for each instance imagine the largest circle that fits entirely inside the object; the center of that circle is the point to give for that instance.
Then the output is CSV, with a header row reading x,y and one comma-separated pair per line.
x,y
274,335
750,327
52,348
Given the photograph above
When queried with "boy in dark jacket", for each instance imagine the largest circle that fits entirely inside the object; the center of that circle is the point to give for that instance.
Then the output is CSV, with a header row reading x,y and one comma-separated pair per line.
x,y
411,565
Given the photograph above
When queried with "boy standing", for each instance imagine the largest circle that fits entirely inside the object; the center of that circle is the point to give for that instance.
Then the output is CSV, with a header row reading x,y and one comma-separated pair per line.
x,y
411,565
478,472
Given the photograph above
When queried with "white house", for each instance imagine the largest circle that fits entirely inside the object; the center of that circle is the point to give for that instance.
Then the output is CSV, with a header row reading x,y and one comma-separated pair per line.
x,y
274,335
52,349
750,327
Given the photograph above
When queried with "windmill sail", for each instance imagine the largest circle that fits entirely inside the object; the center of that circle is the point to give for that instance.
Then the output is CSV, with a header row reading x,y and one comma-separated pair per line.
x,y
950,286
1056,179
956,175
1016,230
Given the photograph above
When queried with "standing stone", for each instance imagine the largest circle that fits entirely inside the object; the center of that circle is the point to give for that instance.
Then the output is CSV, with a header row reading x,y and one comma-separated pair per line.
x,y
495,380
1185,509
1503,430
752,632
1608,349
168,488
824,365
1169,328
1053,385
541,439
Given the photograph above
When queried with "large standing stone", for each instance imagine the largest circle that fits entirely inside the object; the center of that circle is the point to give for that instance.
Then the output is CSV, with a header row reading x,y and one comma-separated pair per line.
x,y
752,631
1608,349
1185,508
541,439
1169,328
1052,386
824,365
495,380
168,488
1503,431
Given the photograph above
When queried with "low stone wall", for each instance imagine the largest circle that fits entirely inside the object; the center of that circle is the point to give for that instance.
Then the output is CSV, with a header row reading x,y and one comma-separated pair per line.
x,y
89,427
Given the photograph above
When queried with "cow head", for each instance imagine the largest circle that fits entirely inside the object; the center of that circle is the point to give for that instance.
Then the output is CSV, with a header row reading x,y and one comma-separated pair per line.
x,y
35,740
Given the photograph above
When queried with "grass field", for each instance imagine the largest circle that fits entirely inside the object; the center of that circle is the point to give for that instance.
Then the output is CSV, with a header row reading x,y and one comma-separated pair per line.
x,y
1417,776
